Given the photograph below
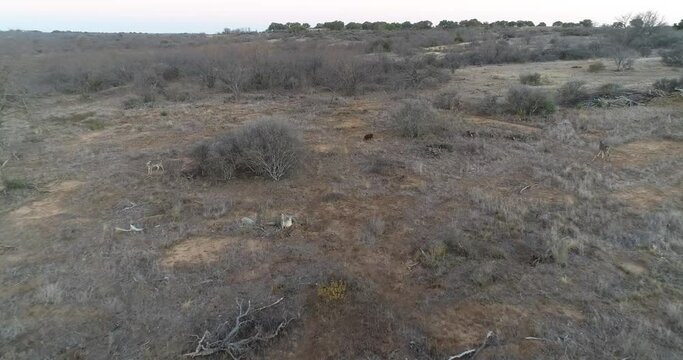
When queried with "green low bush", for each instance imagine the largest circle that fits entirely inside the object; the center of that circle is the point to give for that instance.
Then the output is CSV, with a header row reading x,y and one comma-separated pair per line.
x,y
525,101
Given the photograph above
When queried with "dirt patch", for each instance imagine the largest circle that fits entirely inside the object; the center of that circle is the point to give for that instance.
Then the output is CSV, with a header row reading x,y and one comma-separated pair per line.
x,y
646,151
349,123
504,125
9,290
63,313
48,207
198,250
330,149
65,186
632,268
648,197
465,326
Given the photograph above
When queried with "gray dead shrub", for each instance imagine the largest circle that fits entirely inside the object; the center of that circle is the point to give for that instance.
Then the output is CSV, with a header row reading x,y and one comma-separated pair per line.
x,y
269,147
572,93
415,118
448,100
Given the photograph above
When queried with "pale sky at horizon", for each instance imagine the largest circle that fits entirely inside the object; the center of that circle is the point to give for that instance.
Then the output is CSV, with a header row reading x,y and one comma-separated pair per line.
x,y
211,16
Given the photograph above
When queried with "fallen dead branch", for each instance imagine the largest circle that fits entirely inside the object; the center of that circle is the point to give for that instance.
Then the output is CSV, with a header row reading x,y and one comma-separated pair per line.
x,y
471,353
6,248
527,188
535,338
240,337
132,228
463,354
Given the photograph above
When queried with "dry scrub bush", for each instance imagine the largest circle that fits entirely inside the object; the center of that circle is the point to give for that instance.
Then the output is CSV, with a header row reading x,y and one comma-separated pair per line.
x,y
561,240
335,290
668,85
533,79
623,57
268,147
609,90
525,101
596,67
572,93
673,57
447,100
5,98
373,230
416,118
564,132
488,105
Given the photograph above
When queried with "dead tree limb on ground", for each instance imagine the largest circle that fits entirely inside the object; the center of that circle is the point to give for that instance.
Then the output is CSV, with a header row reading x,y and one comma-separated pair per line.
x,y
238,337
132,228
472,353
535,338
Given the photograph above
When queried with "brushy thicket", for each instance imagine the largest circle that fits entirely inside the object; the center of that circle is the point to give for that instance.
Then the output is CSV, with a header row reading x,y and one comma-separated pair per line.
x,y
609,90
447,100
269,147
239,63
416,118
526,101
669,85
347,62
673,57
572,93
235,68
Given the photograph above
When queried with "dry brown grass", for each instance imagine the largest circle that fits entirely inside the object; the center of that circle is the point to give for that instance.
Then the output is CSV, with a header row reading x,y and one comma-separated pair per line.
x,y
515,230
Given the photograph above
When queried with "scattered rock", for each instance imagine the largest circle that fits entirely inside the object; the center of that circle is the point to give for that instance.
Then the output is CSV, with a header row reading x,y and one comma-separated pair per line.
x,y
631,268
247,222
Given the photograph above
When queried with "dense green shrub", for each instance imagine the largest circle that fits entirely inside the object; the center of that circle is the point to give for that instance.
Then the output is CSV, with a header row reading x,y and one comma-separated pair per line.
x,y
525,101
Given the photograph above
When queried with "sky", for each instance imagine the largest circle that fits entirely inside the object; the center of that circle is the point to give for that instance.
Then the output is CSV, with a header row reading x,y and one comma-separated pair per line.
x,y
211,16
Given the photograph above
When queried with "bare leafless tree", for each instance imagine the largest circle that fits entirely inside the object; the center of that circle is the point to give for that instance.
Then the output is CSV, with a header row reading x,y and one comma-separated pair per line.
x,y
623,57
235,76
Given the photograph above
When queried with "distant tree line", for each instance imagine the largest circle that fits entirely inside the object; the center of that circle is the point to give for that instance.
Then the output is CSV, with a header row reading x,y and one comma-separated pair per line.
x,y
583,23
288,27
420,25
337,25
